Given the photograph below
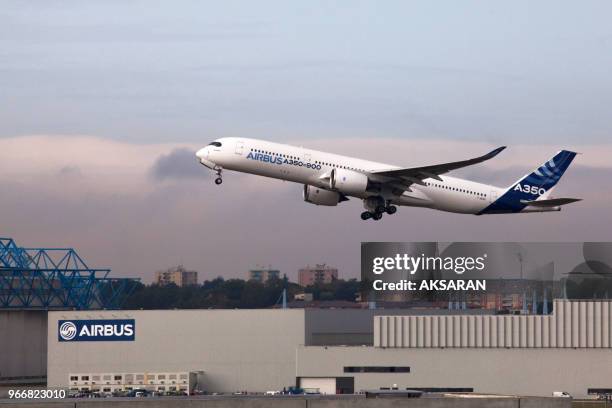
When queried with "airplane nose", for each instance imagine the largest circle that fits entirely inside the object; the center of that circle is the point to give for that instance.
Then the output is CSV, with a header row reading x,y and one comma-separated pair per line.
x,y
203,157
202,153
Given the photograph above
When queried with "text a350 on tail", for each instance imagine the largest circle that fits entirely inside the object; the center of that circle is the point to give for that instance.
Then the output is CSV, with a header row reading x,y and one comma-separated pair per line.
x,y
330,179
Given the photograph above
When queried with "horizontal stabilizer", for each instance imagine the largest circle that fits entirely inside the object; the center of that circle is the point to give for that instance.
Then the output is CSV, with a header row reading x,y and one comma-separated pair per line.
x,y
553,202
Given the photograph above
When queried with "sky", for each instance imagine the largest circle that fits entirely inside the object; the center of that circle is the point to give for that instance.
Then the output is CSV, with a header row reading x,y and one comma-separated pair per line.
x,y
102,105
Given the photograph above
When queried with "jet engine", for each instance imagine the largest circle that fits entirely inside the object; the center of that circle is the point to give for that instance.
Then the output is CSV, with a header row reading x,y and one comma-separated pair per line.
x,y
319,196
348,181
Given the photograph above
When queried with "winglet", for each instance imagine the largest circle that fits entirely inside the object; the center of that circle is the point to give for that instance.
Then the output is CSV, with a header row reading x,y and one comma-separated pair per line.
x,y
435,170
494,153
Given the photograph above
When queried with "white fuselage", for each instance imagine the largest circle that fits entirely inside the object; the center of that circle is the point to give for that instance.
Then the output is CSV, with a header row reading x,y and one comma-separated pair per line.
x,y
306,166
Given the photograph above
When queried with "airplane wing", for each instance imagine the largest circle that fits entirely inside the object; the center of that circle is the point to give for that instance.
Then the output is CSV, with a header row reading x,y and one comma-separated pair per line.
x,y
416,175
553,202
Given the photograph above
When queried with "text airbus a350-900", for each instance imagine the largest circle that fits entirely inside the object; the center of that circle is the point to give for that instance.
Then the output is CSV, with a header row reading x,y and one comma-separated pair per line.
x,y
329,179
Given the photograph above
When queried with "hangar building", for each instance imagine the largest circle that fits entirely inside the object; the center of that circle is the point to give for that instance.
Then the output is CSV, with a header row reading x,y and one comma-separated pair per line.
x,y
341,350
23,346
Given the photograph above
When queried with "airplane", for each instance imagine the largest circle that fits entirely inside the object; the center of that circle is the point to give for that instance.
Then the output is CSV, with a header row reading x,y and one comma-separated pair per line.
x,y
330,179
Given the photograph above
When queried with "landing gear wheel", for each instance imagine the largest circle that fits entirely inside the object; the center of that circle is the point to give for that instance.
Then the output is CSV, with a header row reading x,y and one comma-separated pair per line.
x,y
380,209
377,216
218,180
366,215
391,209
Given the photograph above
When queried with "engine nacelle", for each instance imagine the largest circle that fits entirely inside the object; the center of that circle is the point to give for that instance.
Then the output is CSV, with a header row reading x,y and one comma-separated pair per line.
x,y
348,181
319,196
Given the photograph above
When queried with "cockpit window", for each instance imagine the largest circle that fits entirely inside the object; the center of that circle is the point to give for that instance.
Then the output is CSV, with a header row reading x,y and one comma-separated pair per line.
x,y
218,144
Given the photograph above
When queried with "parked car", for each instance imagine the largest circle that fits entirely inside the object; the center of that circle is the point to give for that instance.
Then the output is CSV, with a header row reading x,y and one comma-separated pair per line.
x,y
138,392
273,392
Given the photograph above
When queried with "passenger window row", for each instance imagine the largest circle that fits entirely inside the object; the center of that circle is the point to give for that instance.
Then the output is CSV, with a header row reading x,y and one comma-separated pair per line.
x,y
297,158
336,166
275,154
459,190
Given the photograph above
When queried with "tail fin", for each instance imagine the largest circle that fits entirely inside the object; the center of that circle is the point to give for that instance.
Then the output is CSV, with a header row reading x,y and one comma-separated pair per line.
x,y
545,177
532,186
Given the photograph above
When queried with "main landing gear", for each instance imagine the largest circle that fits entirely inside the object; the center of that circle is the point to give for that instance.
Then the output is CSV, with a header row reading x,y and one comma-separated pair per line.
x,y
218,180
376,207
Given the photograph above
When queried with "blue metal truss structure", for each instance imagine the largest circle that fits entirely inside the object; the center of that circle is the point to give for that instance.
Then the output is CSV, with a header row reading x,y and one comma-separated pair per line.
x,y
56,278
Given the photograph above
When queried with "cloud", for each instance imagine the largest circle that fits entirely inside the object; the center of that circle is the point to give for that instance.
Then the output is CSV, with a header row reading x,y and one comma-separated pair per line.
x,y
118,214
105,166
178,164
69,171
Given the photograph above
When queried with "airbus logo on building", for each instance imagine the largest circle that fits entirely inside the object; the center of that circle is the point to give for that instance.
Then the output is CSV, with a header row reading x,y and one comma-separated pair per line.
x,y
67,331
96,330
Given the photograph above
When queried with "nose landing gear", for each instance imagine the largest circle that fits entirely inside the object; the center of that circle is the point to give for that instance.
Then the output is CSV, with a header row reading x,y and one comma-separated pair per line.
x,y
219,179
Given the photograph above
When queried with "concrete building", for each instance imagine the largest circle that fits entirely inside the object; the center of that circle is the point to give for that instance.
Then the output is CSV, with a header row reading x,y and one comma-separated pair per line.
x,y
569,350
236,349
320,273
178,276
250,350
262,275
343,351
161,382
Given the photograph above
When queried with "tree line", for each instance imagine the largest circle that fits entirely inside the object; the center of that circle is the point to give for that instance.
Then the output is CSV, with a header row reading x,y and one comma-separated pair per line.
x,y
220,293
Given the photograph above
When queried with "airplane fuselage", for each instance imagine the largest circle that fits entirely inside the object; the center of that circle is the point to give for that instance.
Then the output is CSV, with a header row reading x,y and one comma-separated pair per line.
x,y
312,167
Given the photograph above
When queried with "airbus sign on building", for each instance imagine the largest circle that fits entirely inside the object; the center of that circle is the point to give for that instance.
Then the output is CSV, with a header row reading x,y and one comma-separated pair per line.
x,y
96,330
